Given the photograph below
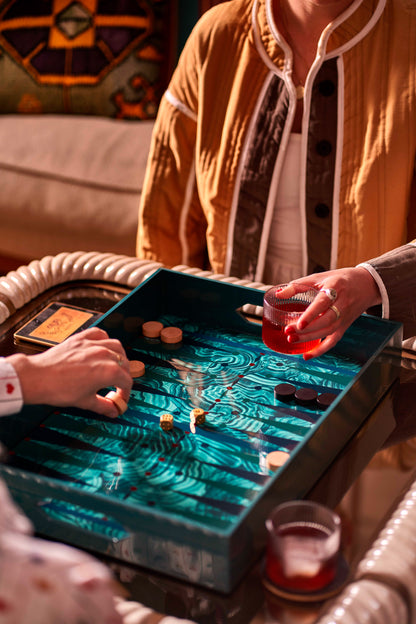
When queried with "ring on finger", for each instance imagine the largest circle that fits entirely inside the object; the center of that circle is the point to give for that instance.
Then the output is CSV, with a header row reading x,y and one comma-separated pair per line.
x,y
331,293
335,309
119,360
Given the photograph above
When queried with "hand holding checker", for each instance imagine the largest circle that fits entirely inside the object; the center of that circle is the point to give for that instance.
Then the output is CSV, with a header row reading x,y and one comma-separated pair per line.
x,y
153,330
71,373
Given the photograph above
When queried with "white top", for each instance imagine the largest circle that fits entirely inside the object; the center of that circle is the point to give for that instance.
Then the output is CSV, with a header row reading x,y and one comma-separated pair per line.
x,y
284,254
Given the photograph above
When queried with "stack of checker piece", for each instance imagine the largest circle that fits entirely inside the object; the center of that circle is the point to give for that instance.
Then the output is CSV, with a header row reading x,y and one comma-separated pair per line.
x,y
306,397
154,330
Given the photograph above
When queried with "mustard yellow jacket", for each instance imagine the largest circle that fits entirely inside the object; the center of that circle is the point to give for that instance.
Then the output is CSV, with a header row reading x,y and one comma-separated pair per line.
x,y
223,126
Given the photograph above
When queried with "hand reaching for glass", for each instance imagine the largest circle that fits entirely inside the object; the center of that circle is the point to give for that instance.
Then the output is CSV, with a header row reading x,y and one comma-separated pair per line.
x,y
343,295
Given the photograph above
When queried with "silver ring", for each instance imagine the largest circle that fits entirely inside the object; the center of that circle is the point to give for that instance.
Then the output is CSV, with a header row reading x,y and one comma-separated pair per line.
x,y
335,309
331,293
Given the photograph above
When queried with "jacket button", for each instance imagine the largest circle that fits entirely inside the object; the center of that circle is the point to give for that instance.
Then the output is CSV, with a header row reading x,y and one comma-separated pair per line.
x,y
326,88
321,210
323,148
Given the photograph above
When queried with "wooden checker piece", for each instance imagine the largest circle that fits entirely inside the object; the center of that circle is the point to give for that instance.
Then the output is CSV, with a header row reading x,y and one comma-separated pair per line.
x,y
275,459
171,335
152,329
137,368
120,403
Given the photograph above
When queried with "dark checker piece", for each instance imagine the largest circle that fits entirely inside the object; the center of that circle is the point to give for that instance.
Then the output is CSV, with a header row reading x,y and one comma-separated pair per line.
x,y
284,391
305,396
325,399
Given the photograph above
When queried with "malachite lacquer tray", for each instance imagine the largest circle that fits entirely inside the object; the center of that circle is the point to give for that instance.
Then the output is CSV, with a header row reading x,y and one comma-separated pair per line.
x,y
191,502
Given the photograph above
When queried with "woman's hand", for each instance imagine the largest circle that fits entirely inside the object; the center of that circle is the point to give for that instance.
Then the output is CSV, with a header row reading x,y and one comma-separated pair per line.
x,y
328,318
71,373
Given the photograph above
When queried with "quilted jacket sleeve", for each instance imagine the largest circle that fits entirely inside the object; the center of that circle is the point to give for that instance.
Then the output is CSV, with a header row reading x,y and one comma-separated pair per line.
x,y
395,274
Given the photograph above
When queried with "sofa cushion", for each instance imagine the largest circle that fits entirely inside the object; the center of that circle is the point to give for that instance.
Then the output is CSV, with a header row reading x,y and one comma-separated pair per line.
x,y
70,183
95,57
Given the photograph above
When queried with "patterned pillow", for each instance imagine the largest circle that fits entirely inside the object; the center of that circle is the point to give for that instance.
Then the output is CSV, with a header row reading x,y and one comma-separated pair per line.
x,y
111,58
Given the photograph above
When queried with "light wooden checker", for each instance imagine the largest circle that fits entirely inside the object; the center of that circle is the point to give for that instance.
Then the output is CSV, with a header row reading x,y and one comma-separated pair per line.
x,y
137,368
120,403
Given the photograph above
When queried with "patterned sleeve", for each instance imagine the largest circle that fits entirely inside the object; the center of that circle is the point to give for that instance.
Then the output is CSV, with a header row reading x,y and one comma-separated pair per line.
x,y
11,399
44,582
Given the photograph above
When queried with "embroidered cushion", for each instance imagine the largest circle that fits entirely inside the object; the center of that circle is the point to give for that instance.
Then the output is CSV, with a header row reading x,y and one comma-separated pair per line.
x,y
89,57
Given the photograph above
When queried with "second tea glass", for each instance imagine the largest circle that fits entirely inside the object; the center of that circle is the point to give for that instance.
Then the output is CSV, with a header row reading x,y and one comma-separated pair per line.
x,y
303,545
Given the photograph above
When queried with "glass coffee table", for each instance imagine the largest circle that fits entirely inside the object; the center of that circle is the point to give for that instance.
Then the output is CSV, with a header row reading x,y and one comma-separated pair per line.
x,y
249,600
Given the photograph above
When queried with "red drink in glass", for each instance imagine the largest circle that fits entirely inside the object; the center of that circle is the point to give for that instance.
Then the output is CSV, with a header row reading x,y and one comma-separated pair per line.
x,y
303,567
303,546
274,336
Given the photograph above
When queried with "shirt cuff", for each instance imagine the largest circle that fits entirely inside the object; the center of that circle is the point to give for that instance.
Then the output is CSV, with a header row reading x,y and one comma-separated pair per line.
x,y
11,397
385,304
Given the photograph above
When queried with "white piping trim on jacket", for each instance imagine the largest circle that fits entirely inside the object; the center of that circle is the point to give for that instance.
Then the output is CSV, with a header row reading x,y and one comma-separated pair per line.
x,y
287,73
302,176
302,199
338,165
242,160
259,44
271,199
323,40
276,173
190,183
385,304
180,106
360,35
184,214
